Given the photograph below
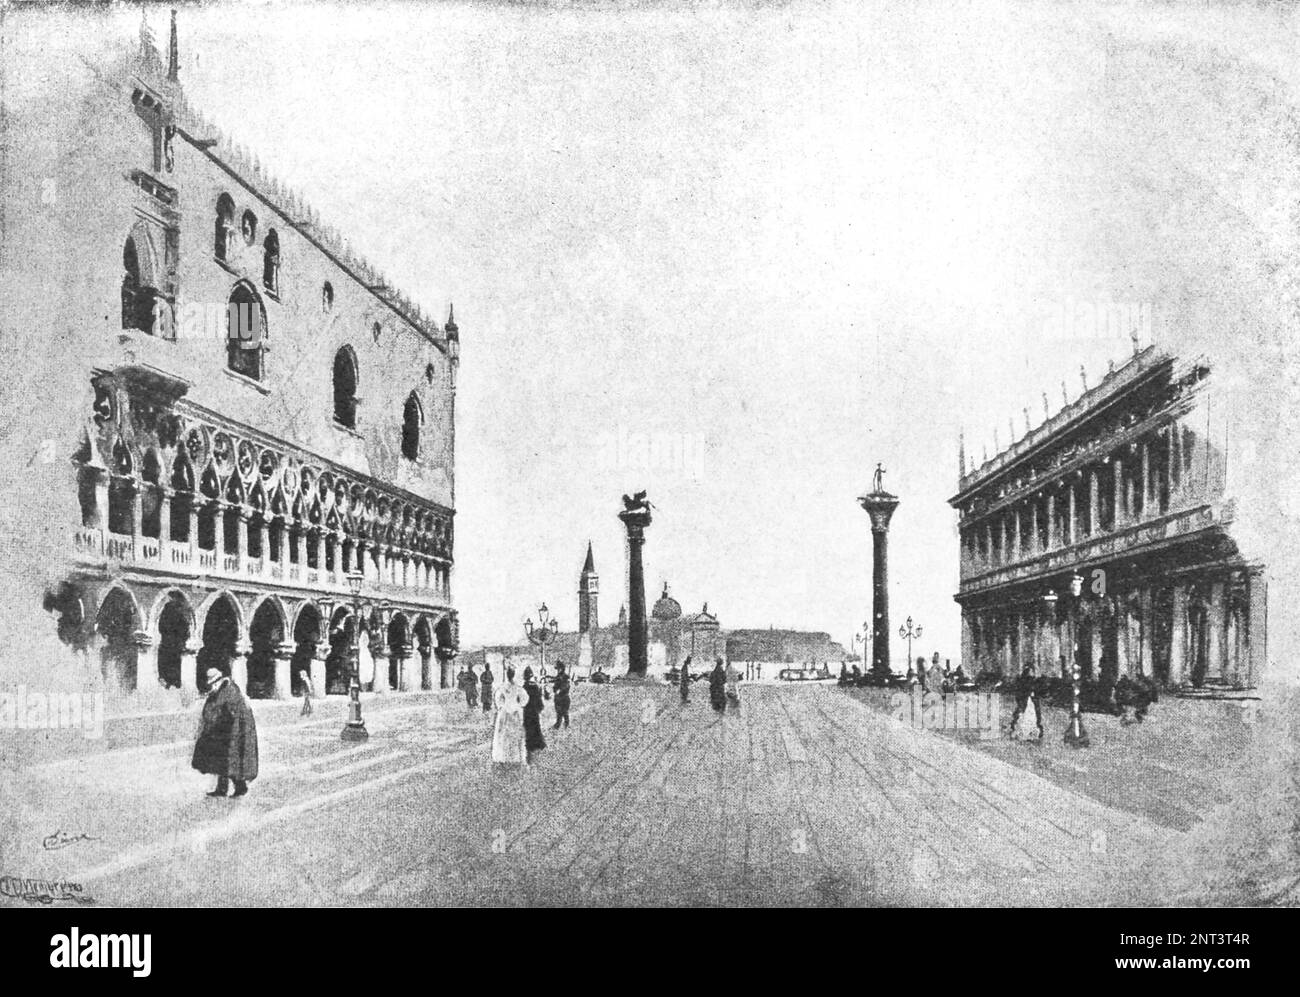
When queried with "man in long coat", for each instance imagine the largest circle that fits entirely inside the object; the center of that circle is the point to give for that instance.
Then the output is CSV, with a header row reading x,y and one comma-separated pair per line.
x,y
562,688
486,682
533,739
718,687
227,742
684,680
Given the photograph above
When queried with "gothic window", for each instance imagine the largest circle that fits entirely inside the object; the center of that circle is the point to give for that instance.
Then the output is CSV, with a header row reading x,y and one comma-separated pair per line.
x,y
327,297
248,228
412,416
345,387
271,262
142,306
245,332
225,227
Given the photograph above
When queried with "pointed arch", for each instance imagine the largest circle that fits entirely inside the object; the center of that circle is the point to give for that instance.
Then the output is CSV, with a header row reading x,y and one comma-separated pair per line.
x,y
346,379
412,423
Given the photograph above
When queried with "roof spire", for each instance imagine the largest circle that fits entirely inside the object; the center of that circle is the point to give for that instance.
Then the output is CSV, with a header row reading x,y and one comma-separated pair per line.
x,y
452,329
173,53
589,566
961,453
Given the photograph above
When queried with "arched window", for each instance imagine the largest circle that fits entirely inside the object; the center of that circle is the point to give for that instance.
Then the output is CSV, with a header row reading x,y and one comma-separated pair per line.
x,y
248,227
412,417
130,285
327,297
245,332
225,227
142,306
345,388
271,262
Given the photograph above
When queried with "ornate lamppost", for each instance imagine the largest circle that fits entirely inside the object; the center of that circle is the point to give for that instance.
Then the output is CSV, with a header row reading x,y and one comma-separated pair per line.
x,y
1075,735
543,633
909,633
355,728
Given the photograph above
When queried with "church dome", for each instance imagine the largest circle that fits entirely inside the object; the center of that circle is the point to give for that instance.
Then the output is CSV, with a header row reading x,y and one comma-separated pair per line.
x,y
666,608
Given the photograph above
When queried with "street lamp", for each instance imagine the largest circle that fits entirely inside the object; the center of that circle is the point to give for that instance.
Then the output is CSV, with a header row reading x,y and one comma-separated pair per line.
x,y
1075,735
543,633
909,633
355,728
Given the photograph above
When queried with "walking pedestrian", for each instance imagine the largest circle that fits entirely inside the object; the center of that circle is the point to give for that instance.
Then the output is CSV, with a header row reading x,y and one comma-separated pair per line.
x,y
533,739
469,685
733,687
684,680
508,729
305,680
1028,707
718,687
561,686
486,682
227,743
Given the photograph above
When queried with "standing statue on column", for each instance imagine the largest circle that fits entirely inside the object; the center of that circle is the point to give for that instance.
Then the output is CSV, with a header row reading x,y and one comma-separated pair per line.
x,y
877,483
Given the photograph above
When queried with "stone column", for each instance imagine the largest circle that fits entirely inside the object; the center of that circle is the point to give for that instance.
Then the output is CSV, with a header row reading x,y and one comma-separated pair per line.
x,y
1178,638
239,665
241,537
1094,527
146,659
880,506
1071,519
137,509
190,667
165,523
1146,656
379,653
1257,632
426,669
264,540
636,520
284,670
195,504
320,652
967,644
1144,451
1119,516
1051,521
1174,467
219,531
1216,634
319,541
1015,535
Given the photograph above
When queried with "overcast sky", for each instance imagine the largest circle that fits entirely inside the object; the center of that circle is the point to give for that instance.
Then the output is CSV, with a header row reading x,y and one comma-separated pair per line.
x,y
794,239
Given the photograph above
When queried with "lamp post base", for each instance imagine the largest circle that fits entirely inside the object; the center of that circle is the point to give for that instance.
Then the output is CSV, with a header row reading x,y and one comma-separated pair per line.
x,y
1075,735
355,731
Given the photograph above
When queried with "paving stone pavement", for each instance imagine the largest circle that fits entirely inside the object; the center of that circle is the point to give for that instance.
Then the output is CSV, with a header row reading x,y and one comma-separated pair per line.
x,y
804,797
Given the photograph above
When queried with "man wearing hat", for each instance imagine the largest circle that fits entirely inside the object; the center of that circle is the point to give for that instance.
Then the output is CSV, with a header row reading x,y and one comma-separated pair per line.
x,y
227,744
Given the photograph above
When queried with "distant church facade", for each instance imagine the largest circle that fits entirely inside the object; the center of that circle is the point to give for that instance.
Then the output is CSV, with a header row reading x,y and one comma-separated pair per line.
x,y
673,637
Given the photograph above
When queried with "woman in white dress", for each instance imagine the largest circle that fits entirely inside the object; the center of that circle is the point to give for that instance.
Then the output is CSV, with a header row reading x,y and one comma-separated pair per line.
x,y
508,732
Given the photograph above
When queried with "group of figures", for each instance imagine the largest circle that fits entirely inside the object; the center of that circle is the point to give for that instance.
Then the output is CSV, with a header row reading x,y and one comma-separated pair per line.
x,y
517,727
724,685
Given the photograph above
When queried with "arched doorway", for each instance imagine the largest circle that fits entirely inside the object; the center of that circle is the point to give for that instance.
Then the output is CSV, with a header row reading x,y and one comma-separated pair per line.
x,y
264,635
173,635
1198,643
306,632
399,640
338,663
220,639
116,624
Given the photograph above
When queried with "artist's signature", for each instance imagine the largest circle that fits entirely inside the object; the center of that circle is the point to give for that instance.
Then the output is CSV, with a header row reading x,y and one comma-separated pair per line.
x,y
60,840
42,891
